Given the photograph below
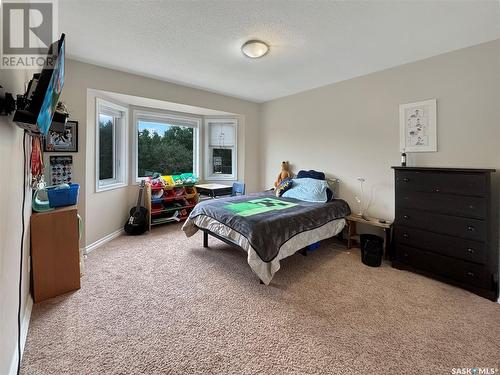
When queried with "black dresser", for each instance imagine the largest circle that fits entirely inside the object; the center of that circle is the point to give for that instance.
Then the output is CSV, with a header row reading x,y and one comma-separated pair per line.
x,y
446,226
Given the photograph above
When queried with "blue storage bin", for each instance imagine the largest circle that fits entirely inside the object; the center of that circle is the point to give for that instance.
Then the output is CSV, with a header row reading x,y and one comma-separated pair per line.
x,y
314,246
61,196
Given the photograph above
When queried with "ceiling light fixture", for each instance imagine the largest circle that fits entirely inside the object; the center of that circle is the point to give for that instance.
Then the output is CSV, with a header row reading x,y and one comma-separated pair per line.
x,y
255,49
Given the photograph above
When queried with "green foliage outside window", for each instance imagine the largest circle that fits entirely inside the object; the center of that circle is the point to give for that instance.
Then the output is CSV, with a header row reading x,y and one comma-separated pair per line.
x,y
105,147
170,153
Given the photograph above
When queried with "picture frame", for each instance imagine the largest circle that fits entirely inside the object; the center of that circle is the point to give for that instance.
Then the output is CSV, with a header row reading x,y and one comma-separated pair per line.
x,y
61,169
418,126
67,142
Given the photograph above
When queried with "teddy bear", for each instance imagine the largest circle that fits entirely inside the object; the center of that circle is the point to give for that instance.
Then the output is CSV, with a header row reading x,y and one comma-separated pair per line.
x,y
284,174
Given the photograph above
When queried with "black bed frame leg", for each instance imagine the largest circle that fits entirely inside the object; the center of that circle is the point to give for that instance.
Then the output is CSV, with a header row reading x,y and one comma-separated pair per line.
x,y
205,239
261,282
304,251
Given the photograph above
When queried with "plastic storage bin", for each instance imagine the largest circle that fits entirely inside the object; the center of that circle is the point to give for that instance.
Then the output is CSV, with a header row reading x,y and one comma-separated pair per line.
x,y
63,196
314,246
190,192
372,249
189,179
169,182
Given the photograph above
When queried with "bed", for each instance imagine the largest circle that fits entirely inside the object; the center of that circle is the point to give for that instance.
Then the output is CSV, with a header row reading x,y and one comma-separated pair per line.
x,y
267,228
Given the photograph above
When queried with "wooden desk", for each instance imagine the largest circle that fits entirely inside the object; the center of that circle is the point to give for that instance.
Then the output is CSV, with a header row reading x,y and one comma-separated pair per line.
x,y
214,190
352,219
55,254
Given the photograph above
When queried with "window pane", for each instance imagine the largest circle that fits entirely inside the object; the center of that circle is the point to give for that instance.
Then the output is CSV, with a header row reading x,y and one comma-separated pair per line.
x,y
222,161
163,148
106,163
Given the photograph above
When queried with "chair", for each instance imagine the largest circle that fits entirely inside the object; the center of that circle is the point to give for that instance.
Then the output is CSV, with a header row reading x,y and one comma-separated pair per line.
x,y
238,189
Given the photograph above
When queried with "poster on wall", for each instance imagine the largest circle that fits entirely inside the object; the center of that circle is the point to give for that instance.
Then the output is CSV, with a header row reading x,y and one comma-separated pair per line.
x,y
61,170
63,142
418,128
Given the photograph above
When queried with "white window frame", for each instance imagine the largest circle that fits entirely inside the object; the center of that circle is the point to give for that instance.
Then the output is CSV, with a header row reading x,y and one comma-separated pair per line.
x,y
208,155
120,144
168,118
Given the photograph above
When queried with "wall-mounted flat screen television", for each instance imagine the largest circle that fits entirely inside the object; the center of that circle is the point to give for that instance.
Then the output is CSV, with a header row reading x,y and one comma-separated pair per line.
x,y
43,92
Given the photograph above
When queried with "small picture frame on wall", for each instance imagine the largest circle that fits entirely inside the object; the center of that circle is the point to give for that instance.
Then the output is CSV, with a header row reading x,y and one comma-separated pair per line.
x,y
63,142
61,169
418,127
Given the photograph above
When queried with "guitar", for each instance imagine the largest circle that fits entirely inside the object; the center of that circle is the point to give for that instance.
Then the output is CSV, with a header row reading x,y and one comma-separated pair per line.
x,y
138,220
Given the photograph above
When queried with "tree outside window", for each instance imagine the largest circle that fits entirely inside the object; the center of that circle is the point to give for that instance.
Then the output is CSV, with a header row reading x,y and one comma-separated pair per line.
x,y
163,148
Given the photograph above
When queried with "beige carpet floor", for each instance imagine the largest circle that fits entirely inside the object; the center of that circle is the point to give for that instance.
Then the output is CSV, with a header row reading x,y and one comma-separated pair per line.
x,y
161,304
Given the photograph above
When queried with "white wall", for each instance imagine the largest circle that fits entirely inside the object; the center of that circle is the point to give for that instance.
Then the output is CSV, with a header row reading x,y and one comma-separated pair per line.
x,y
11,191
105,212
351,128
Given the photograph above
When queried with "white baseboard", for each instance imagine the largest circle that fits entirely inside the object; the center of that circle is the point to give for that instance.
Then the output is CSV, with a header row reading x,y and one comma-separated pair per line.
x,y
89,248
24,334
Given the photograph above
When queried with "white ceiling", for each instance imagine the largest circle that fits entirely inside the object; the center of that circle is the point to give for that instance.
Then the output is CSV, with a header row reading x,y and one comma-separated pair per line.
x,y
313,43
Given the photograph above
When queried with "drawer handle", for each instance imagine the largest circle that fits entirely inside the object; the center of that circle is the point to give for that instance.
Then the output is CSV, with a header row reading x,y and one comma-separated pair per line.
x,y
470,228
406,179
406,236
436,190
406,217
470,251
470,274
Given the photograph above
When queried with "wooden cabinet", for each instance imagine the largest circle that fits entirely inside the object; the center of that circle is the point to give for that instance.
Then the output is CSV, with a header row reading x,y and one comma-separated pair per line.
x,y
445,226
55,255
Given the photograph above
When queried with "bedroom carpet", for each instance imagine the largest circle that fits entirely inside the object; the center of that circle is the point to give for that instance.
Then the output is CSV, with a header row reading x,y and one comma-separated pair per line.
x,y
161,304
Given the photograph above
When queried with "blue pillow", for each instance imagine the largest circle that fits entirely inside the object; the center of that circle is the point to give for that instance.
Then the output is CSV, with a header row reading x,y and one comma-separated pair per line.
x,y
308,189
318,176
284,186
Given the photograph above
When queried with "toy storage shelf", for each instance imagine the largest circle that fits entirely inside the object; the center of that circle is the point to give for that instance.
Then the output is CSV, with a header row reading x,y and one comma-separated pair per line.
x,y
170,204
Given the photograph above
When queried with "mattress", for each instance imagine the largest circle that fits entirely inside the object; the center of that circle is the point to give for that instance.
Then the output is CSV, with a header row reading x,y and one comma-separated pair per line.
x,y
268,228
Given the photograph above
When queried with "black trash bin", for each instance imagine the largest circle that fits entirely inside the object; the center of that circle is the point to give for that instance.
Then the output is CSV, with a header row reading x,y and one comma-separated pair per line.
x,y
372,249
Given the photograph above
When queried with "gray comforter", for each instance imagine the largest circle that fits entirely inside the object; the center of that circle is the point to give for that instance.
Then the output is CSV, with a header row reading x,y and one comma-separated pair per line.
x,y
268,222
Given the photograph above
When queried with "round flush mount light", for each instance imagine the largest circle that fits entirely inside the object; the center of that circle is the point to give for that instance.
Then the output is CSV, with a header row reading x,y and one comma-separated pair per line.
x,y
254,49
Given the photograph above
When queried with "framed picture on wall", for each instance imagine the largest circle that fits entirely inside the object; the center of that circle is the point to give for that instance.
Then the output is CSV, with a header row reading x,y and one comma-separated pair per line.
x,y
417,126
63,142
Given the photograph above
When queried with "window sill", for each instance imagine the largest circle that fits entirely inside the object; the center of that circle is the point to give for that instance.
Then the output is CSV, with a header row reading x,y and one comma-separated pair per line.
x,y
110,186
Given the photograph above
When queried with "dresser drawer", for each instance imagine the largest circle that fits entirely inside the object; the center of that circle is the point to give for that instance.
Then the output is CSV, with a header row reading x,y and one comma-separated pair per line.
x,y
459,270
471,229
472,184
451,246
455,205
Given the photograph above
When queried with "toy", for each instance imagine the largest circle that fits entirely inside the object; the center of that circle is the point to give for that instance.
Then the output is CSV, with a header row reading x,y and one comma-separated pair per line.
x,y
157,181
285,173
40,201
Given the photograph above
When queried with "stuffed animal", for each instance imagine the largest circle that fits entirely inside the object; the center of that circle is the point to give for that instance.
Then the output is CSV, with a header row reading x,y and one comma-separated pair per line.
x,y
285,173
